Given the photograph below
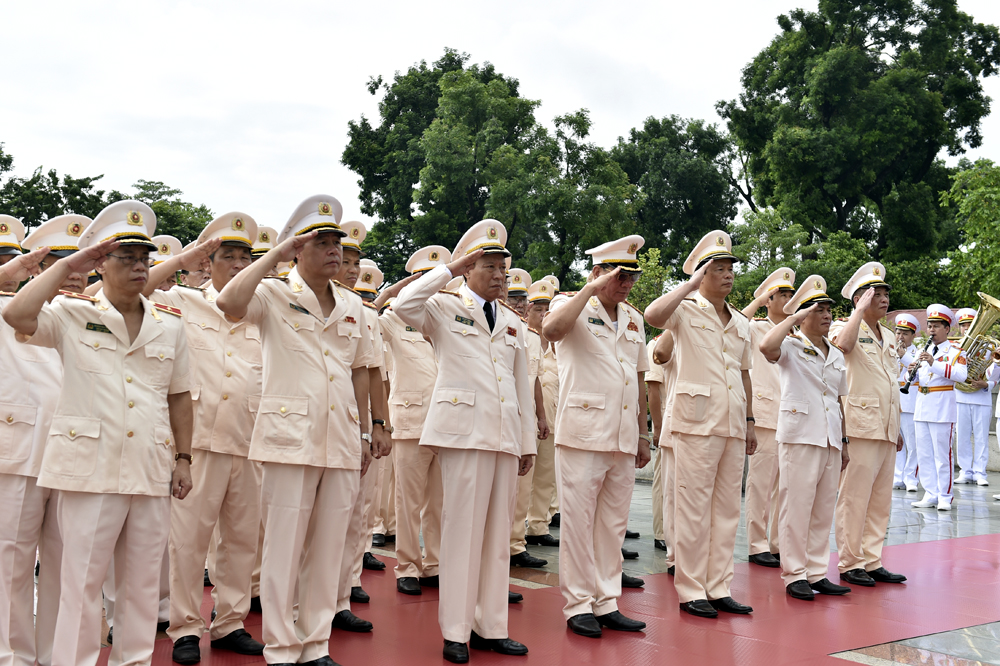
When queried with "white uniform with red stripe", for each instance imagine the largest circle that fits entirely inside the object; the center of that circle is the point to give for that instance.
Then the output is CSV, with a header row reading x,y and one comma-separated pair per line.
x,y
934,417
906,458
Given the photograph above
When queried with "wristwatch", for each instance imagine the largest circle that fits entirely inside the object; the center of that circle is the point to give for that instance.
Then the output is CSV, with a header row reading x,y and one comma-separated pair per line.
x,y
844,440
751,419
184,456
378,422
365,436
647,437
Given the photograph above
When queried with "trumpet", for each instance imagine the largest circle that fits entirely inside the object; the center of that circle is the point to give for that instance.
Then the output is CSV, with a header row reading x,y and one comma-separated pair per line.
x,y
905,388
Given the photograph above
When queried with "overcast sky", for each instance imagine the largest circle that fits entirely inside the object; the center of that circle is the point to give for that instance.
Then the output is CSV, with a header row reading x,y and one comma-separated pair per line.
x,y
244,105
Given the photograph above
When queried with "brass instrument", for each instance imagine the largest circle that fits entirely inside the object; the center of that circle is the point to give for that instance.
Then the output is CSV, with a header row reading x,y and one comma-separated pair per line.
x,y
980,349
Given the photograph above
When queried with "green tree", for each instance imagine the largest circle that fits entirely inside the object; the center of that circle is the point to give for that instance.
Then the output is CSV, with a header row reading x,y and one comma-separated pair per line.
x,y
975,265
652,284
174,217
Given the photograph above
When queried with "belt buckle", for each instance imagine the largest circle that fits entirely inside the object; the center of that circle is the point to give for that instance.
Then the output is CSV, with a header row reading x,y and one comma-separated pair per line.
x,y
925,390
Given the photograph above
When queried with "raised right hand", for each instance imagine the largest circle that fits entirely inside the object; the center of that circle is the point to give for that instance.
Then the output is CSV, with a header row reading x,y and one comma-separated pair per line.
x,y
290,247
21,267
90,258
699,275
462,264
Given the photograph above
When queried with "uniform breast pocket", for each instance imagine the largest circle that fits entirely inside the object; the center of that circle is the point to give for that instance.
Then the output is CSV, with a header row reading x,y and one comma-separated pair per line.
x,y
862,413
793,415
585,414
633,346
285,420
159,365
161,464
691,401
72,446
16,431
411,345
466,348
295,330
203,333
96,352
457,414
408,409
597,340
703,332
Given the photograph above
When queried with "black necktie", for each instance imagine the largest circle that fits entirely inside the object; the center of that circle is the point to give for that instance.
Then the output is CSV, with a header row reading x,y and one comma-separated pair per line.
x,y
488,311
935,351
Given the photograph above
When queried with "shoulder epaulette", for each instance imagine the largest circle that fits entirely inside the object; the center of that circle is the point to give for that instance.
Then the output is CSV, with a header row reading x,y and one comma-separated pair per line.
x,y
534,331
505,304
82,297
350,289
842,318
567,293
634,307
275,277
7,293
760,318
369,304
168,309
453,293
187,286
740,312
692,299
837,346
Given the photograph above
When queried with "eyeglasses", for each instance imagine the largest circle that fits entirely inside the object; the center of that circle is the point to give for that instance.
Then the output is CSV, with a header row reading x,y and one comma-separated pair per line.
x,y
129,262
626,277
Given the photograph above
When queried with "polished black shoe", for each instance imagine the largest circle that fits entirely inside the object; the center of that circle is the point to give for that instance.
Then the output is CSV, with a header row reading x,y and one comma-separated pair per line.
x,y
378,540
629,534
348,621
857,577
322,661
240,642
555,520
111,636
186,650
359,596
659,544
777,556
880,575
526,560
255,605
584,624
208,581
824,586
430,581
730,605
699,608
390,538
213,614
372,563
630,554
498,645
514,597
765,559
409,585
670,570
456,653
631,581
800,590
618,622
542,540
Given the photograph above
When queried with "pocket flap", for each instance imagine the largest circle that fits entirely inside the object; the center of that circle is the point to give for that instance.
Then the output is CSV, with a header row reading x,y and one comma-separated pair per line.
x,y
75,426
456,396
211,323
764,393
795,406
160,352
252,333
283,406
11,414
863,401
348,330
98,340
463,329
702,324
303,323
586,400
408,398
162,436
693,388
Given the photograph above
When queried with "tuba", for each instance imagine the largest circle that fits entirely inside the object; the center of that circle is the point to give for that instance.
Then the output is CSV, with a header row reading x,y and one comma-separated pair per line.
x,y
980,348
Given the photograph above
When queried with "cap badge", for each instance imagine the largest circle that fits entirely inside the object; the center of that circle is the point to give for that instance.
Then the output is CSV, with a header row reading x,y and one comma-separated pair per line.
x,y
491,233
876,271
238,224
355,232
787,276
164,249
4,228
434,256
542,289
367,278
74,229
719,241
817,284
264,237
632,248
134,218
325,209
517,278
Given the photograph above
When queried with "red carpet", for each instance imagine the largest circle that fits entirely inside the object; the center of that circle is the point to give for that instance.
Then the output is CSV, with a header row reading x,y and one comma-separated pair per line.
x,y
953,584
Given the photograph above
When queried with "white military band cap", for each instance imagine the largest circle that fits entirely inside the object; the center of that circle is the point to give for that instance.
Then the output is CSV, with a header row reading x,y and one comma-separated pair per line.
x,y
811,291
488,235
11,235
60,234
713,245
938,312
265,241
541,291
554,280
783,278
871,274
167,247
320,212
518,281
907,321
427,258
356,234
128,222
621,253
235,228
370,278
965,314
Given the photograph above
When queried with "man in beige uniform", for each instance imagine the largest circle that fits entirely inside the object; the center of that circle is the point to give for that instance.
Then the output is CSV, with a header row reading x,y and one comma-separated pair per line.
x,y
712,423
309,433
762,473
871,422
481,422
657,400
601,351
226,363
124,406
28,397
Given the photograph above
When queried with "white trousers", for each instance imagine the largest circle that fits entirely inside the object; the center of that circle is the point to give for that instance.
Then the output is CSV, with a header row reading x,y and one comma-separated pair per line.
x,y
418,505
906,458
934,458
668,476
972,438
807,497
761,495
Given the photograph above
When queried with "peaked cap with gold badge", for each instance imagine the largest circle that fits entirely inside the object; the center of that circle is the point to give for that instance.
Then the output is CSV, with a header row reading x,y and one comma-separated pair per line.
x,y
871,274
356,234
811,292
543,290
427,258
370,278
781,279
554,280
320,212
265,241
518,282
128,222
907,321
965,315
60,234
488,235
11,235
235,229
167,247
713,245
620,253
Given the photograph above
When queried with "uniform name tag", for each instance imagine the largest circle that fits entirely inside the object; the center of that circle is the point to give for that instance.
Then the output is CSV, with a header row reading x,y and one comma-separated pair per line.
x,y
595,321
811,352
298,308
511,331
462,320
869,341
100,328
410,329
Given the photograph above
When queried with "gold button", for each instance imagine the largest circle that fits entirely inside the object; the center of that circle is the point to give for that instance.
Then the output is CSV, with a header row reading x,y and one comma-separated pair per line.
x,y
454,400
326,352
131,404
730,386
229,353
758,394
167,441
501,398
620,358
827,409
10,419
161,356
130,433
626,382
625,407
406,403
296,324
703,327
333,407
793,410
824,392
331,378
72,433
864,404
229,374
128,380
499,379
97,345
723,349
232,332
586,405
225,396
282,410
494,359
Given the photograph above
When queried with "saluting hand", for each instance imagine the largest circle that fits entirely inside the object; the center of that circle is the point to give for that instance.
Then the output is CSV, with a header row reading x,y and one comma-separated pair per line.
x,y
865,300
603,281
197,258
91,258
462,264
180,482
290,247
699,275
800,316
21,267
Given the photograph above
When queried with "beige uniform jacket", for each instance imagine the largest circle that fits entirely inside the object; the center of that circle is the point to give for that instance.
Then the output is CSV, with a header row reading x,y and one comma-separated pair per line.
x,y
811,388
225,370
308,414
708,394
29,391
482,396
378,342
655,374
534,353
549,378
871,407
598,378
413,370
111,429
764,379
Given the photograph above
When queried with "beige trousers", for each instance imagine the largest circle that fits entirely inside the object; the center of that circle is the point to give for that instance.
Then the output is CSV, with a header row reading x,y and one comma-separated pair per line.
x,y
807,494
28,521
709,476
306,513
418,505
761,494
518,525
596,490
543,483
134,528
360,532
478,502
667,465
863,504
226,493
658,496
385,517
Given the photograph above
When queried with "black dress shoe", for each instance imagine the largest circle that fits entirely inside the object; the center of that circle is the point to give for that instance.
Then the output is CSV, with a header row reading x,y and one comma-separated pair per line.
x,y
514,597
186,650
618,622
111,636
730,605
372,563
857,577
378,540
238,641
542,540
456,653
498,645
584,624
213,614
824,586
631,581
659,544
526,560
699,608
765,559
390,538
409,585
359,596
322,661
629,534
348,621
880,575
430,581
777,556
800,589
208,581
630,554
255,605
670,570
555,520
